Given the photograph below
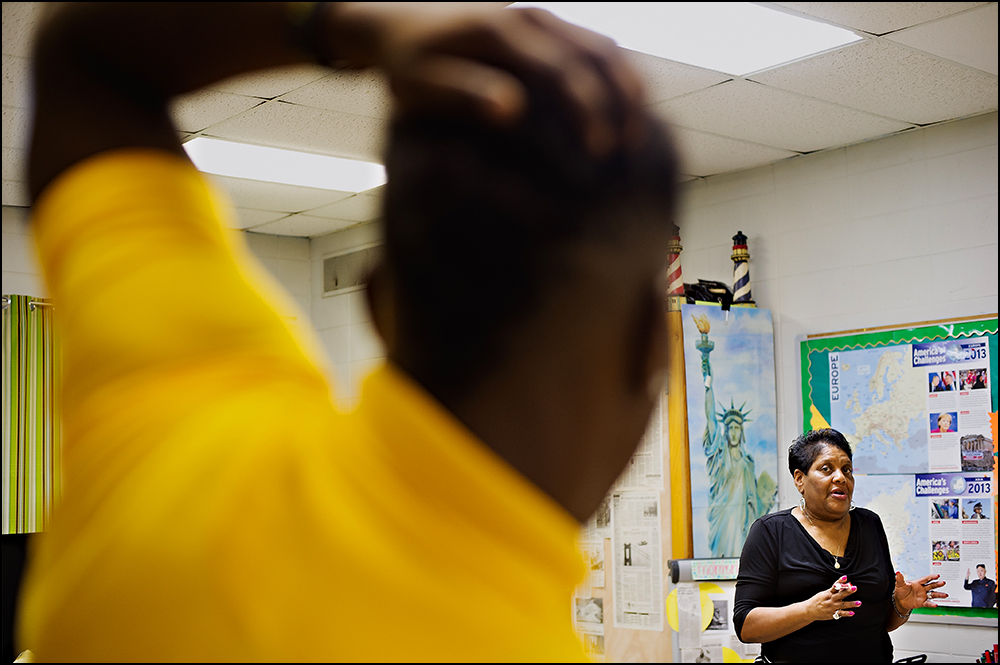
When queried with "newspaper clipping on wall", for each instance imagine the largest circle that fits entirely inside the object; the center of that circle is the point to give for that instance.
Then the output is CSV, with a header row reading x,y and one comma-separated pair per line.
x,y
645,469
637,563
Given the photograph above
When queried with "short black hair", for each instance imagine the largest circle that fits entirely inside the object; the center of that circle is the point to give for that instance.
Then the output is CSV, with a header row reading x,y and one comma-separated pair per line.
x,y
803,451
478,222
981,565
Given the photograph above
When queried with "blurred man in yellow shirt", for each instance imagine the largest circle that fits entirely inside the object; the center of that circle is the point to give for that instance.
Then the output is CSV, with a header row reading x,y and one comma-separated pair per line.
x,y
217,507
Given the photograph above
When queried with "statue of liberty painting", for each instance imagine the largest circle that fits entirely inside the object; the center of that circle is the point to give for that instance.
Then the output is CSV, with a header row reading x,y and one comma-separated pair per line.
x,y
737,496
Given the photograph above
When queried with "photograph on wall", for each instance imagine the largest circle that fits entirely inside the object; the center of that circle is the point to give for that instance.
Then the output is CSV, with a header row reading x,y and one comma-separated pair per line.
x,y
975,509
732,424
589,610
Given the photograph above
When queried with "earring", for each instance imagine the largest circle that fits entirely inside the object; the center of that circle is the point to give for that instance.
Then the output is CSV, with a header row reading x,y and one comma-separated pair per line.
x,y
853,506
802,504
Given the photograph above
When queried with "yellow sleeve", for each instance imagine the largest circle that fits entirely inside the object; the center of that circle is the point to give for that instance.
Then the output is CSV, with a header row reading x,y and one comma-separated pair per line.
x,y
145,274
183,387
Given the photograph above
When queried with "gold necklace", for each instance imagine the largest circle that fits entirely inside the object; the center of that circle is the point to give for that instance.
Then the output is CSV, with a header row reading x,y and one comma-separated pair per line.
x,y
836,560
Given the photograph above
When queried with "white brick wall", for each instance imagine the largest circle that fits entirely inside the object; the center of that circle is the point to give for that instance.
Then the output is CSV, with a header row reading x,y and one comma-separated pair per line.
x,y
21,274
343,320
893,231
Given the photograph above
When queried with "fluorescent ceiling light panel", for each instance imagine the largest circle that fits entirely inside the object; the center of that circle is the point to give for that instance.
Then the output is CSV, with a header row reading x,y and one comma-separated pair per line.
x,y
288,167
731,37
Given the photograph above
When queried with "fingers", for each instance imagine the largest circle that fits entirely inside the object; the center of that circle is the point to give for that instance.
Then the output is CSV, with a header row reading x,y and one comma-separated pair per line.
x,y
843,588
621,79
478,62
538,47
463,86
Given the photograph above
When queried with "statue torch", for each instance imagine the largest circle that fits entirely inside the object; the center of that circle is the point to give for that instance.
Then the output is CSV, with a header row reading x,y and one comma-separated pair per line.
x,y
704,345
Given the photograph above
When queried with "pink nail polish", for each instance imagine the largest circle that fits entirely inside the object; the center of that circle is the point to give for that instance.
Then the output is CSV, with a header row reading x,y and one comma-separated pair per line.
x,y
858,603
850,614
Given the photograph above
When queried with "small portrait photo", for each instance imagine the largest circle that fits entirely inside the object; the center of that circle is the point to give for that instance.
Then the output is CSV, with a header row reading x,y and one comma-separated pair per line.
x,y
934,384
949,380
952,551
953,508
720,615
973,379
938,550
589,610
946,421
976,509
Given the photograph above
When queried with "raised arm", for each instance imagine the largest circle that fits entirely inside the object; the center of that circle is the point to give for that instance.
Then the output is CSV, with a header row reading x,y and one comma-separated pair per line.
x,y
105,72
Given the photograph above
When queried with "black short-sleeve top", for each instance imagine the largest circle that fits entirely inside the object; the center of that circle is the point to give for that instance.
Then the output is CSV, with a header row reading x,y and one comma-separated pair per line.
x,y
783,564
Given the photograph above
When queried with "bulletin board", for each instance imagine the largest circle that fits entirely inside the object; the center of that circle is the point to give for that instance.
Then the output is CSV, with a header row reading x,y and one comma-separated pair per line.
x,y
918,403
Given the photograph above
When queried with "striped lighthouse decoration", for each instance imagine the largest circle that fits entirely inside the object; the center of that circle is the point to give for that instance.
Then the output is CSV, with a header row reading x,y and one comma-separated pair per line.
x,y
741,270
675,282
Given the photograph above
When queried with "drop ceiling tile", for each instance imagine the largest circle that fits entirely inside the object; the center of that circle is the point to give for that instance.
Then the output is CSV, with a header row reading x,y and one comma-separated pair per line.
x,y
274,197
358,208
876,18
19,22
15,194
794,122
361,93
302,226
15,164
665,79
16,127
16,81
295,127
247,218
969,38
890,80
273,82
705,154
204,108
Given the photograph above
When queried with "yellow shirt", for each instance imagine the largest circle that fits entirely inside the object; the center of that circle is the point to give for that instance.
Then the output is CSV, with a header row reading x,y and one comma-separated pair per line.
x,y
216,505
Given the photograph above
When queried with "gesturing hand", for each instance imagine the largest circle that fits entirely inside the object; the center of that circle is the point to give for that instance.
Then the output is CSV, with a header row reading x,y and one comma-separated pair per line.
x,y
830,604
472,61
911,595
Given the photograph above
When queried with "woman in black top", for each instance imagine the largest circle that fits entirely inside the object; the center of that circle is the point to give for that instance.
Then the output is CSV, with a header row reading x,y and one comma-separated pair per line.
x,y
816,582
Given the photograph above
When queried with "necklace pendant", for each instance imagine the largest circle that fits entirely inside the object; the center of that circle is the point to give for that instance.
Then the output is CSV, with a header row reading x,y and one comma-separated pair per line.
x,y
836,563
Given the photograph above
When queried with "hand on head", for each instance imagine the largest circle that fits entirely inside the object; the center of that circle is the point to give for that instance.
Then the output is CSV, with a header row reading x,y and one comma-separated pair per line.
x,y
473,61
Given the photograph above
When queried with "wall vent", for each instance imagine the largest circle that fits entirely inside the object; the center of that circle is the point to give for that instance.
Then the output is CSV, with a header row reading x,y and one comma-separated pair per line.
x,y
350,270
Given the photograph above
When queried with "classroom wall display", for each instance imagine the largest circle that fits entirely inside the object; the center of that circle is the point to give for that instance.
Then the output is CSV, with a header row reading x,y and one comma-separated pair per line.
x,y
918,405
732,424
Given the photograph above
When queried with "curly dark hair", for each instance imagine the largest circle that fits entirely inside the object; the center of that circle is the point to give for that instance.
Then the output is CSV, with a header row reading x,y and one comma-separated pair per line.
x,y
803,451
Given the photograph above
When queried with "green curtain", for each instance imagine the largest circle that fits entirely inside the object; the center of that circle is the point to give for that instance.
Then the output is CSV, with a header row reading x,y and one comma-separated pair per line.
x,y
32,438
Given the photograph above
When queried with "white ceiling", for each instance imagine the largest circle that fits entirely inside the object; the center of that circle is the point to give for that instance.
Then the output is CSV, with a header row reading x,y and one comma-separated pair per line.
x,y
919,63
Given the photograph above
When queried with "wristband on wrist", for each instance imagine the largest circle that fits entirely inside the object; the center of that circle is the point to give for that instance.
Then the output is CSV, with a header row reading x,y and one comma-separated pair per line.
x,y
895,608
